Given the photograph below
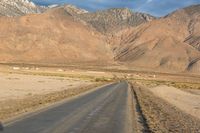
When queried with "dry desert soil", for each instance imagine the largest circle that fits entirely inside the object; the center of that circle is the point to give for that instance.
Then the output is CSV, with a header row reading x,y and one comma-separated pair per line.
x,y
24,93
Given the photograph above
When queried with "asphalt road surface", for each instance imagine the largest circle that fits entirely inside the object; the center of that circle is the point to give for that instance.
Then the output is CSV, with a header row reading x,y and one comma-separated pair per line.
x,y
104,110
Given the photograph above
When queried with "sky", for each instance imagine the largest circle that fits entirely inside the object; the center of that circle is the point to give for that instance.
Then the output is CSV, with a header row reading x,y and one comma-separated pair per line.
x,y
154,7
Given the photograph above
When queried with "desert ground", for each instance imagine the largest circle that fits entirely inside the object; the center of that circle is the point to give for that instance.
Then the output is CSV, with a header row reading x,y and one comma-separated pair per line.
x,y
187,102
167,102
16,86
24,90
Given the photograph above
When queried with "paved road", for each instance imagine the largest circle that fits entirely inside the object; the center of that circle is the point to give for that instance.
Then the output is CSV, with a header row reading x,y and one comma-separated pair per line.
x,y
104,110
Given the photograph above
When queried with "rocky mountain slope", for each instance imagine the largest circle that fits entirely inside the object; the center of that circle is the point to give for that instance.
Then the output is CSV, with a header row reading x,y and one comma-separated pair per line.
x,y
108,21
73,10
113,20
18,7
51,37
193,13
169,43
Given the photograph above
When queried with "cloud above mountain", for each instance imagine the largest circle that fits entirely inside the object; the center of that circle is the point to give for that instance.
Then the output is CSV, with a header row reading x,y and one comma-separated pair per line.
x,y
154,7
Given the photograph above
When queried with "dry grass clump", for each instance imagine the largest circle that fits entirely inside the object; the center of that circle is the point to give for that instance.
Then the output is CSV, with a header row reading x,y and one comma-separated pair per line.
x,y
103,79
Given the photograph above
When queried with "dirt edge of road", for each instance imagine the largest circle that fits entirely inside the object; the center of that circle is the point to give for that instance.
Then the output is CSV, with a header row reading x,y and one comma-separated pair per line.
x,y
20,107
161,117
139,121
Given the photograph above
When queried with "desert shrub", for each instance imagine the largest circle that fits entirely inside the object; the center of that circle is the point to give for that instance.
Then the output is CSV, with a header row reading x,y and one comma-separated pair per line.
x,y
102,79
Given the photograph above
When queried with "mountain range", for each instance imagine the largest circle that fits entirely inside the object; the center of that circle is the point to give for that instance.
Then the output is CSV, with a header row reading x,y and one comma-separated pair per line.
x,y
66,34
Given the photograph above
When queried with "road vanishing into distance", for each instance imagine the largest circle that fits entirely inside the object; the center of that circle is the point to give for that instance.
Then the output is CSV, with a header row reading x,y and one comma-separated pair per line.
x,y
104,110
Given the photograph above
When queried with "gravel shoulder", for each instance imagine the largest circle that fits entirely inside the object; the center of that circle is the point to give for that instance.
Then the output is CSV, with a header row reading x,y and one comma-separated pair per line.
x,y
162,116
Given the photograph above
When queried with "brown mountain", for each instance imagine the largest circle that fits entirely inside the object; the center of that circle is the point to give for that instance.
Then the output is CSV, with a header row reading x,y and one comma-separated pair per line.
x,y
51,37
60,35
67,34
169,43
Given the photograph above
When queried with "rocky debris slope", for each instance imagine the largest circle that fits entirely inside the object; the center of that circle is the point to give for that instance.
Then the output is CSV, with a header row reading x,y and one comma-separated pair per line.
x,y
18,7
113,20
73,10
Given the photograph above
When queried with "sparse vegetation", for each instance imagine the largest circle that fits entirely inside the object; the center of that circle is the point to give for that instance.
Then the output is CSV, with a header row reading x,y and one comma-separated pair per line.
x,y
33,102
180,85
72,85
103,79
162,116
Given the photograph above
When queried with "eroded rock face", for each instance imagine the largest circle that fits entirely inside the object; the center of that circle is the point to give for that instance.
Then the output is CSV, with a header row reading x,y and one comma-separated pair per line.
x,y
114,20
108,21
190,16
168,43
74,10
18,8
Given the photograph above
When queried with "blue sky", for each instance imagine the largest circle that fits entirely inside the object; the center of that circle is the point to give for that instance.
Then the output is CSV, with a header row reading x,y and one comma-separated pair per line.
x,y
153,7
